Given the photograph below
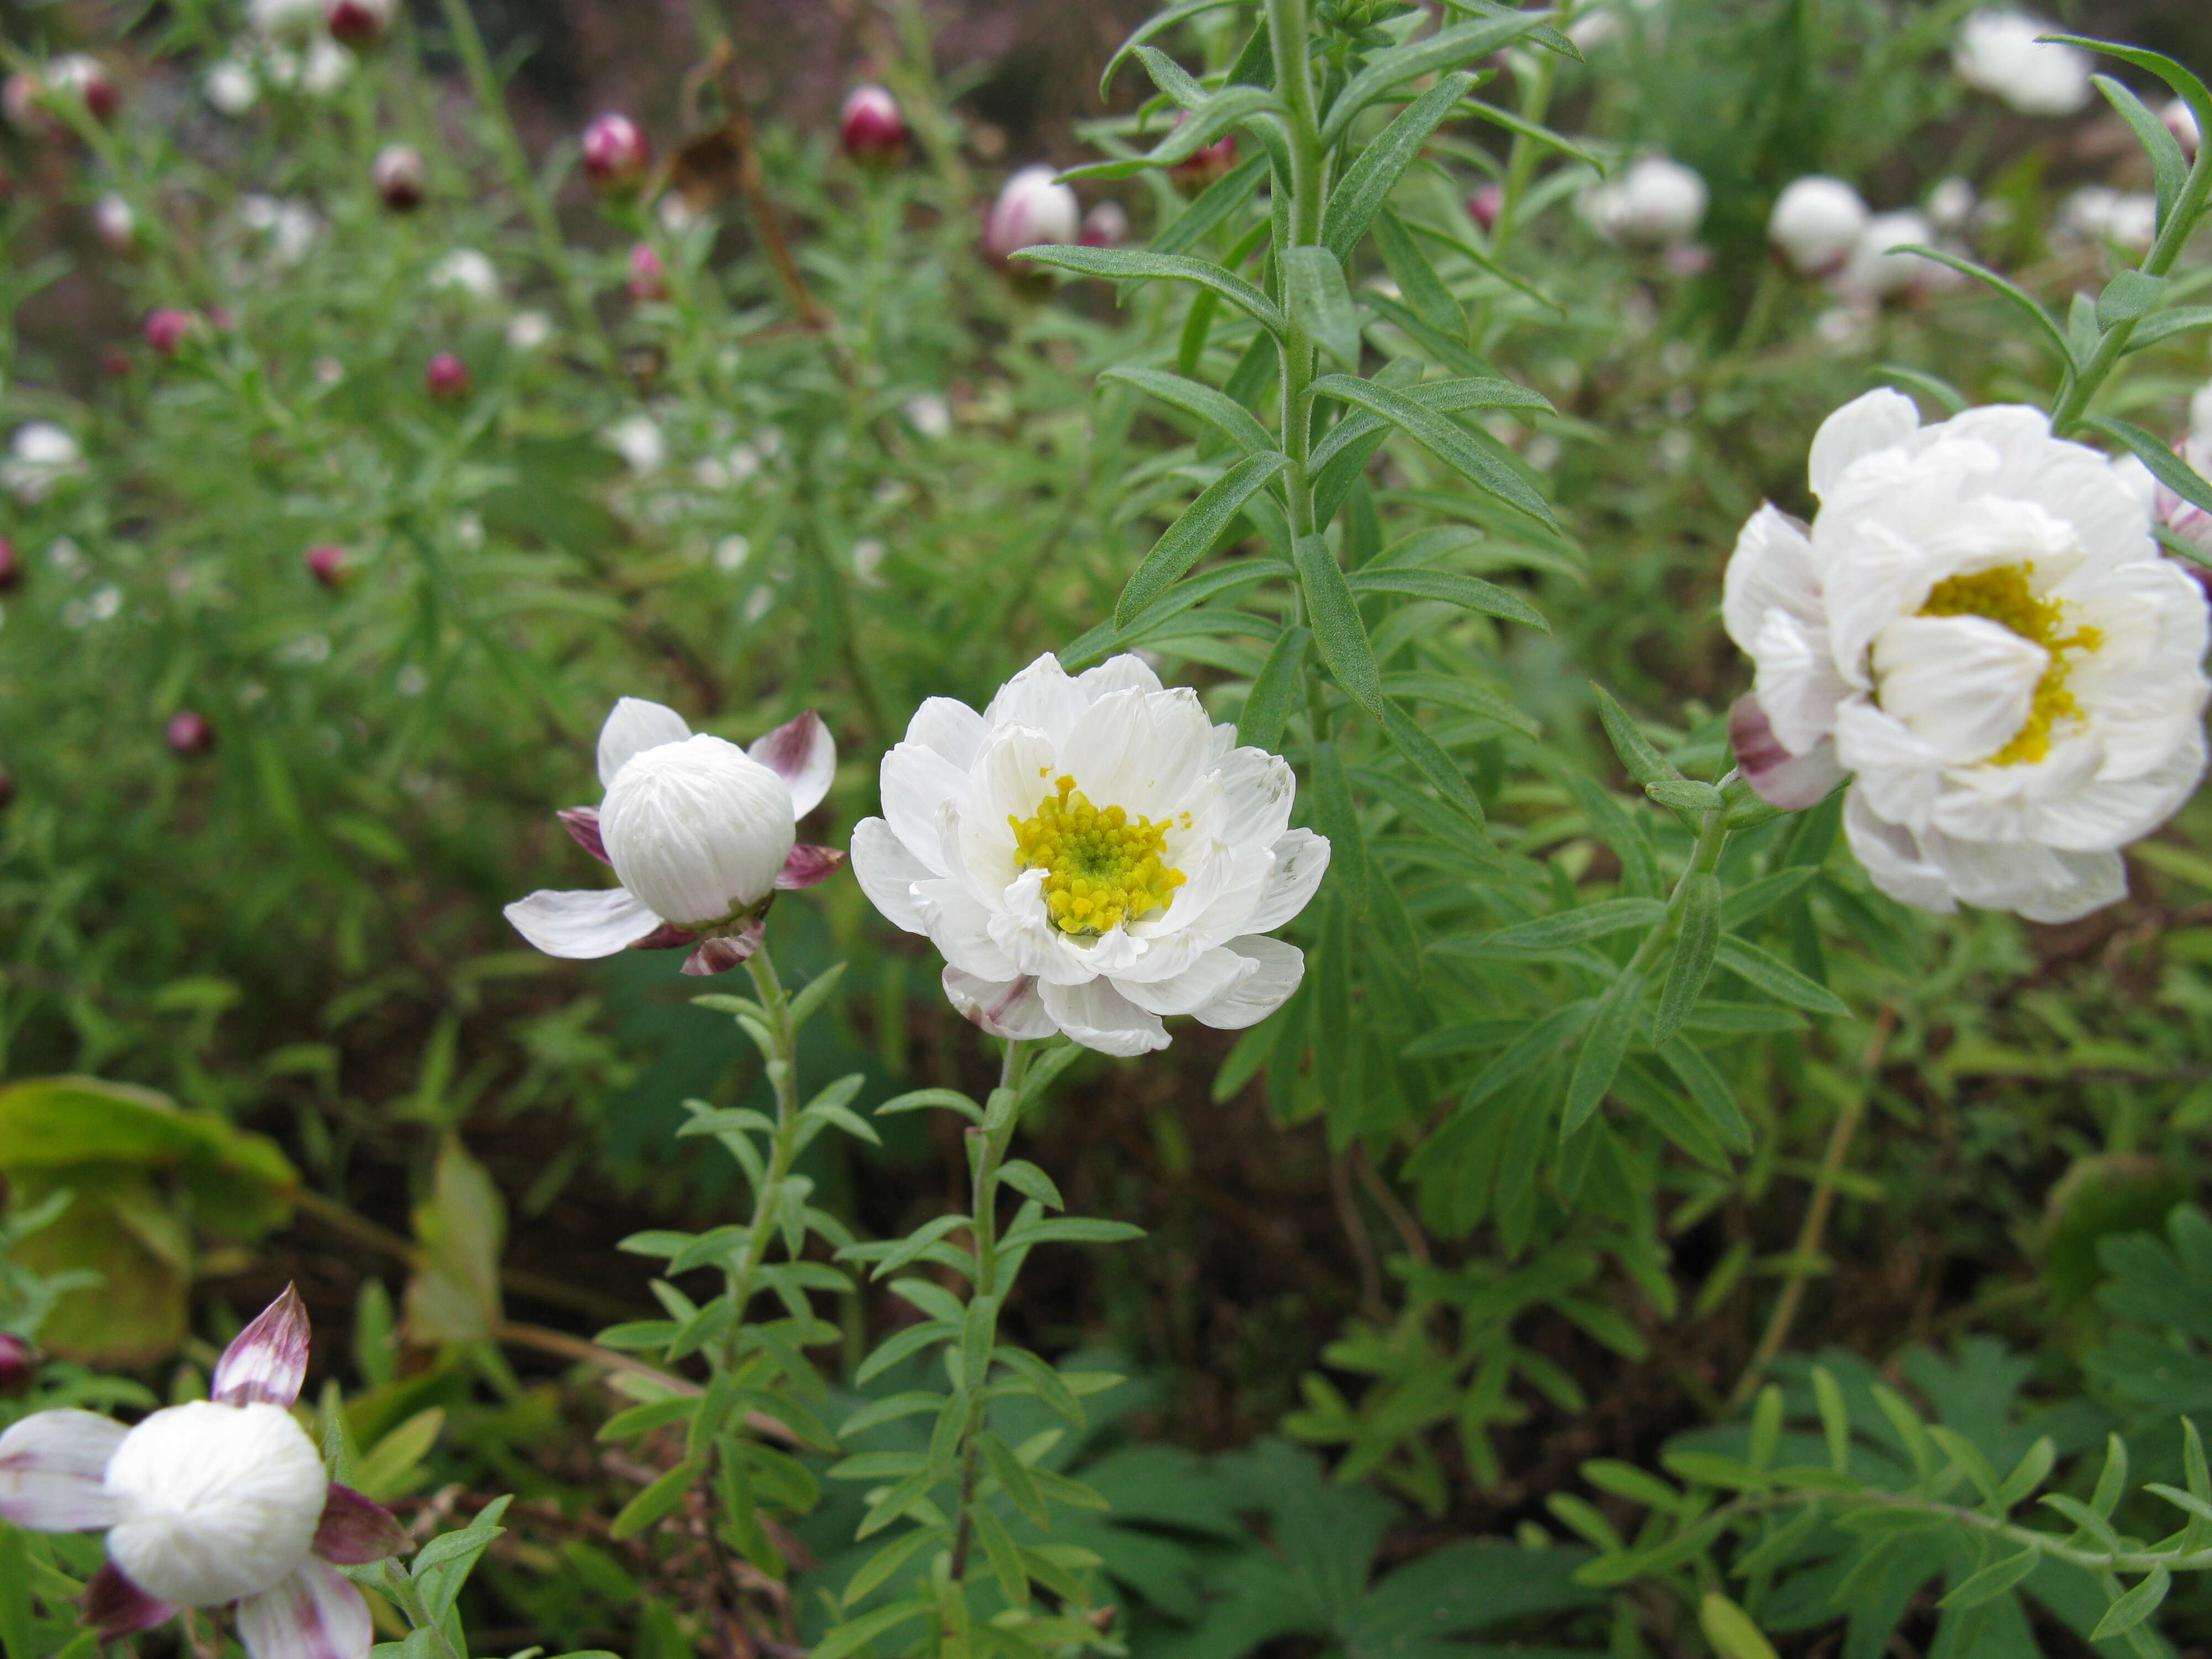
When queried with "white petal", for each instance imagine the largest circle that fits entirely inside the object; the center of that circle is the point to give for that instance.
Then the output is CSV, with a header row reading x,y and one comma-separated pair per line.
x,y
1892,859
1141,752
916,782
1880,420
1008,1010
1040,696
316,1614
1128,671
698,830
1900,776
634,726
1280,968
2039,883
887,872
1796,681
961,929
581,926
2111,524
950,727
1963,685
1301,861
1257,789
1792,782
804,755
1212,978
51,1465
1099,1016
1771,569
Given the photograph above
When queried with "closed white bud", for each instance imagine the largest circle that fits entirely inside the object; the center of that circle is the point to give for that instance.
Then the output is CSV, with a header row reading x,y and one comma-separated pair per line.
x,y
1815,223
1656,203
1951,206
1032,210
1999,52
2181,121
697,830
213,1502
1874,272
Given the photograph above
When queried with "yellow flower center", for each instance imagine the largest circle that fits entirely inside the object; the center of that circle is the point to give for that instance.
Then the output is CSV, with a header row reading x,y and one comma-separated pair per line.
x,y
1100,868
2004,596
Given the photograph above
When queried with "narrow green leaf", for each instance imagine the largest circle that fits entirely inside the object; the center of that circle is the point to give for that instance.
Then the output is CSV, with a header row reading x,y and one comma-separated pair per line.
x,y
1939,391
2167,324
1194,532
1835,1419
1338,820
851,1638
1443,438
1073,1230
2165,465
1145,31
1319,303
1708,1089
1332,613
1639,758
2137,1605
1121,265
1274,692
1696,938
1447,48
652,1504
1214,205
1468,593
1602,1049
1686,795
1778,978
1228,109
1579,926
2129,296
2025,302
1416,277
1232,419
1730,1628
885,1562
1991,1581
1368,182
2186,86
2169,166
1414,743
1015,1477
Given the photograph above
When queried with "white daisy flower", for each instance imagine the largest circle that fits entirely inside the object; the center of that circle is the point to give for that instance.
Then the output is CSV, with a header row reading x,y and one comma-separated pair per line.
x,y
1091,854
1977,630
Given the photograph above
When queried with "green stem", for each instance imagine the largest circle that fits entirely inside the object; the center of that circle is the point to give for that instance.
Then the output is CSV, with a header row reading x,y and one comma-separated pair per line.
x,y
1286,29
1704,857
552,248
1521,160
401,1590
783,1146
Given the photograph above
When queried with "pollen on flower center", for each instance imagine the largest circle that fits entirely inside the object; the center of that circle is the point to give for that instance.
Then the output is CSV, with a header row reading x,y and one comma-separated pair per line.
x,y
2004,596
1100,868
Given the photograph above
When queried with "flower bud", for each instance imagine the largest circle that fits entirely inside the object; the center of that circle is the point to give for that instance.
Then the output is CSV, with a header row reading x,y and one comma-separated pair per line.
x,y
116,224
1815,223
1485,203
19,102
648,275
19,1361
2181,121
1106,225
402,177
871,129
358,23
616,153
1655,203
2000,52
11,566
327,564
1032,210
189,733
1203,166
447,377
85,76
166,327
1951,206
697,830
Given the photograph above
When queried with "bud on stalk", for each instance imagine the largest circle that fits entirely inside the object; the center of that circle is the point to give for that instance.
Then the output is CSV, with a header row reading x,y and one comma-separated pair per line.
x,y
87,77
358,23
19,1361
11,566
166,327
327,564
870,131
189,733
447,377
615,153
1031,210
1106,225
402,177
648,277
1484,205
1202,168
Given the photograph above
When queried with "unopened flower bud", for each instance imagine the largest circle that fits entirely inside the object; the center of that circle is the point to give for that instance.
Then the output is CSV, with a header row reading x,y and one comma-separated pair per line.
x,y
648,277
116,224
447,377
2181,121
871,129
2003,53
11,566
19,1361
19,102
87,77
1485,203
1657,201
616,153
1106,225
697,829
166,327
327,564
1032,210
189,733
402,177
358,23
1815,224
1203,166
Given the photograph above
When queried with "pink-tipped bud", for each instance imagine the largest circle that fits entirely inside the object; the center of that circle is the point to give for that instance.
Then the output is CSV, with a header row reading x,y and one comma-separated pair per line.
x,y
401,176
1485,203
871,129
19,1361
167,328
1201,168
358,23
1032,210
648,277
87,77
11,567
616,153
327,564
447,377
1106,225
189,733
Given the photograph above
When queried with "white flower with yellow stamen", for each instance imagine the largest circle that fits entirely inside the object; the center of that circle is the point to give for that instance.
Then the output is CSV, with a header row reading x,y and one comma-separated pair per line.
x,y
1980,630
1091,853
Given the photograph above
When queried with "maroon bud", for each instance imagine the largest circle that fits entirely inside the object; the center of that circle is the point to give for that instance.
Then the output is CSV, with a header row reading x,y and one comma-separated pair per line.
x,y
1106,225
1484,203
11,566
327,564
648,275
189,733
1197,171
85,75
616,153
19,1363
870,131
357,23
446,376
402,177
166,327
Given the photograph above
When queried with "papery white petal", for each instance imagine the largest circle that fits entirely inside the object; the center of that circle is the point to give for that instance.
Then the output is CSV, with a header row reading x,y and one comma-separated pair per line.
x,y
1883,419
634,726
1280,967
1099,1016
962,929
1301,861
1900,776
51,1465
949,726
1011,1009
268,1360
917,783
1128,671
1792,782
1891,855
316,1614
888,873
1258,789
1797,680
1212,978
1963,685
1140,752
1041,696
1771,569
804,755
581,926
698,830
